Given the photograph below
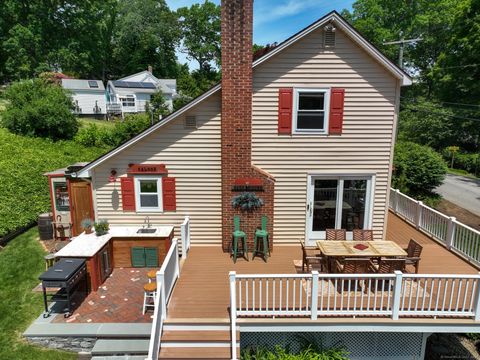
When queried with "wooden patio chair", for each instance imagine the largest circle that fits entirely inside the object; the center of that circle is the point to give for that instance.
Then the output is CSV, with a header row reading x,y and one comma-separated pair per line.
x,y
362,235
387,266
312,257
351,266
336,234
414,250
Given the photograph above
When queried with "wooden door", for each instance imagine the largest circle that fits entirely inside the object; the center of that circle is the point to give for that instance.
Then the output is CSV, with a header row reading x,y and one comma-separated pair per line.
x,y
81,205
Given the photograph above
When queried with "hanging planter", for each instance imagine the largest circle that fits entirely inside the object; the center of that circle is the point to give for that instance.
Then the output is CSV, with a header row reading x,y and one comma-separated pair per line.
x,y
247,201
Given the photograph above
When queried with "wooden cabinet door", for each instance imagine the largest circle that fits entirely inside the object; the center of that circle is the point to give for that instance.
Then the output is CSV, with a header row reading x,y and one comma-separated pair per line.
x,y
151,257
138,256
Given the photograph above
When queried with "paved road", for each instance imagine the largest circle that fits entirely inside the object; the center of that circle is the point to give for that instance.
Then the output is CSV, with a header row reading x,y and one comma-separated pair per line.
x,y
462,191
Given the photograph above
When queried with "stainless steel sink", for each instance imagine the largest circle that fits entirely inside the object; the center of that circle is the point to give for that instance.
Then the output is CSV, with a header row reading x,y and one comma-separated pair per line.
x,y
146,231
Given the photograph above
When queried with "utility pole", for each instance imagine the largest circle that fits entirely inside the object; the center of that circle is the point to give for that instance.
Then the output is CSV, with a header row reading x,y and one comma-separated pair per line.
x,y
402,43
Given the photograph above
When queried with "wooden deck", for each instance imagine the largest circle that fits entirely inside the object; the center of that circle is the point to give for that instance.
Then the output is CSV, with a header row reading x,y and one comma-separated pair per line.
x,y
202,291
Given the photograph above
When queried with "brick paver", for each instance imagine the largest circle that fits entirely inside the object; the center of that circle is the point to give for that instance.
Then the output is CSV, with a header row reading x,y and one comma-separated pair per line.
x,y
118,300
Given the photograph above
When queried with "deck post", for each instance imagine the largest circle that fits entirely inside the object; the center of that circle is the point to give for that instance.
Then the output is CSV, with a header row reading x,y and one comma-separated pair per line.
x,y
477,302
418,215
233,313
396,193
177,261
161,292
450,232
314,297
397,289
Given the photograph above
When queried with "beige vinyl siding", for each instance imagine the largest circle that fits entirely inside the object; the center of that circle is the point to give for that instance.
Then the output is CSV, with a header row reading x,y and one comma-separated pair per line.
x,y
191,156
363,148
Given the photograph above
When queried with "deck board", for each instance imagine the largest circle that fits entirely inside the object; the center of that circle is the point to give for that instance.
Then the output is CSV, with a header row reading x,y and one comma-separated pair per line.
x,y
202,290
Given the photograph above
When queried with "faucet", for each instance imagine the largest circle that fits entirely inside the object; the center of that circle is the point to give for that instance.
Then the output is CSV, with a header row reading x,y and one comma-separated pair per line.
x,y
147,221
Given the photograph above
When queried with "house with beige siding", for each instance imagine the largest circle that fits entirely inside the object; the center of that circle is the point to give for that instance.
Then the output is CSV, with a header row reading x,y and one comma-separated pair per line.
x,y
309,129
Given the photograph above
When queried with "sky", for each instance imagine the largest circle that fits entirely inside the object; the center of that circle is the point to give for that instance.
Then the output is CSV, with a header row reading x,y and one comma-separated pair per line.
x,y
276,20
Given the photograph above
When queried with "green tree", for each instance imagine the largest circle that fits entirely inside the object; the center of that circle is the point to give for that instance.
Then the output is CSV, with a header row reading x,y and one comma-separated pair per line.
x,y
418,169
200,26
38,108
146,33
158,105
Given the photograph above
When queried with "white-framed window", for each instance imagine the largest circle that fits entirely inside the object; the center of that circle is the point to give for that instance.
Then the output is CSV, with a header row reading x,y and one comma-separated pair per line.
x,y
127,100
148,194
310,111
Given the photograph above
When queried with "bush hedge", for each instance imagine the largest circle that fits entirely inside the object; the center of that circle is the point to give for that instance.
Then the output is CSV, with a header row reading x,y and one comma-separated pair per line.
x,y
464,161
93,135
38,108
418,169
24,191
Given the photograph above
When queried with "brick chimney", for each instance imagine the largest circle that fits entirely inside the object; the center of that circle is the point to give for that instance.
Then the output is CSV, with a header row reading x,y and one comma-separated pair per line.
x,y
236,128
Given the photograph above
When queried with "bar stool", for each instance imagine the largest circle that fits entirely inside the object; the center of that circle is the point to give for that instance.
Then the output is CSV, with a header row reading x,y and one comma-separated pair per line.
x,y
49,260
152,275
262,247
149,292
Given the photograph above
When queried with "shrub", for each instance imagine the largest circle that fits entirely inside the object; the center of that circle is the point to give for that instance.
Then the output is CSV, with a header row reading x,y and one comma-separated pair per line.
x,y
418,169
279,353
39,108
24,191
464,161
93,135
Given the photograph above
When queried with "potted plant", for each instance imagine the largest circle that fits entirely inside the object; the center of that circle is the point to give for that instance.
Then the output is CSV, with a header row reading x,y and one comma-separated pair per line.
x,y
87,225
101,227
247,201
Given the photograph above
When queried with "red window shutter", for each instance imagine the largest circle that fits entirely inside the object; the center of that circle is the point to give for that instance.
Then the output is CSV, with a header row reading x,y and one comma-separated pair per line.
x,y
128,193
169,194
285,104
335,123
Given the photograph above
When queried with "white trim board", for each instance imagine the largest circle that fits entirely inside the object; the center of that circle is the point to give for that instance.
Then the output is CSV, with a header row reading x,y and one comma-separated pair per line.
x,y
331,17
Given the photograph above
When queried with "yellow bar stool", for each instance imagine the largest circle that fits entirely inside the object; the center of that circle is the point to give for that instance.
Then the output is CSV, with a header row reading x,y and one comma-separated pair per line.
x,y
152,275
149,292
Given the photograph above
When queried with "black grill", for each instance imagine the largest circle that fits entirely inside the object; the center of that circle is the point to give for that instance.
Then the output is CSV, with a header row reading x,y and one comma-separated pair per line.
x,y
66,275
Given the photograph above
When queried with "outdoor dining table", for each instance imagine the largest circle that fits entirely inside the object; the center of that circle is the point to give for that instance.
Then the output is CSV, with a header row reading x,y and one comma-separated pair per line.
x,y
347,248
350,249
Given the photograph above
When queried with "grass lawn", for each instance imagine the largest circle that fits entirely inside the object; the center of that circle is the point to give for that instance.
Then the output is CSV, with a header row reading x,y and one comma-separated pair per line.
x,y
99,123
461,172
21,261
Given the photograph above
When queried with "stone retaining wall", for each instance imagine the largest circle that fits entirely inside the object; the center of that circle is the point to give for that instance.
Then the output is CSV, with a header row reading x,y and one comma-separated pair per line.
x,y
75,344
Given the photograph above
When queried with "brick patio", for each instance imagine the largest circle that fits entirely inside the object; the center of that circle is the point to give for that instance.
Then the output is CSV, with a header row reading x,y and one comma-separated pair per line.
x,y
118,300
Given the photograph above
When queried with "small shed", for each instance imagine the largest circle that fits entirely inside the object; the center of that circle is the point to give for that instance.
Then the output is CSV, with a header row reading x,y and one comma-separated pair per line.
x,y
88,96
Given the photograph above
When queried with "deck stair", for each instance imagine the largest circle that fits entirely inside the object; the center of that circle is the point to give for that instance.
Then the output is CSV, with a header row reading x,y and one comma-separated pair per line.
x,y
196,339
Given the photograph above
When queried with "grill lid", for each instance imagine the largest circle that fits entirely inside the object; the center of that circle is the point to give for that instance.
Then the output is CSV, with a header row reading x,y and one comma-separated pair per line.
x,y
62,270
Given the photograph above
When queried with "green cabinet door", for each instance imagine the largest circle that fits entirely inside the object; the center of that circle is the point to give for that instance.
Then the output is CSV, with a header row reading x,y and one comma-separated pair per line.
x,y
151,257
138,256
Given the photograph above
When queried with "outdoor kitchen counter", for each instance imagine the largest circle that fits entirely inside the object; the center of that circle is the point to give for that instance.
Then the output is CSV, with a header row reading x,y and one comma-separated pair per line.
x,y
87,245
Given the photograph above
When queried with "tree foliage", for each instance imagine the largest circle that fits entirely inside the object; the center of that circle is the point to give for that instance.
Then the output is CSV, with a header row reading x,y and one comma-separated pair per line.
x,y
41,109
418,169
200,25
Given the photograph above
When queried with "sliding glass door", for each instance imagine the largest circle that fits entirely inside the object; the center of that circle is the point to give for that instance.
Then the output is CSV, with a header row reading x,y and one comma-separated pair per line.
x,y
341,202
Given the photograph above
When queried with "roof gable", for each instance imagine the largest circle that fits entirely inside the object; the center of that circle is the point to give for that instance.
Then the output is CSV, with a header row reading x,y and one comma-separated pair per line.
x,y
334,17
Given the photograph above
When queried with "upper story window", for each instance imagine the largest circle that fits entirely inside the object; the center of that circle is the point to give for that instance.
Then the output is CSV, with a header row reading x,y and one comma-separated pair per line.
x,y
310,112
127,100
148,193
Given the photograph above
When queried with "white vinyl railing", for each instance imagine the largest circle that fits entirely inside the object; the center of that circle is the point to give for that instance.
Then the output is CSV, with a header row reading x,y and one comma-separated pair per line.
x,y
456,236
185,237
317,295
166,278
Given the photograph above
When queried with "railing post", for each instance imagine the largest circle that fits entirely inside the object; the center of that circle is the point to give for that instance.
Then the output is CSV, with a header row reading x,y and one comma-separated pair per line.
x,y
477,301
395,203
397,290
314,297
177,262
161,291
233,313
418,215
450,232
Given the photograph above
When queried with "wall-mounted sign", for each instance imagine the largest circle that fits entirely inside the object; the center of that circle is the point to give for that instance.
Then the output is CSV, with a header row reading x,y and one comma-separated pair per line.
x,y
147,169
248,184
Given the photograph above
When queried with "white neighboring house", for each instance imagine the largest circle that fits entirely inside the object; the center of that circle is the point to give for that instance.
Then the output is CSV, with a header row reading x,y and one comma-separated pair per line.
x,y
131,93
88,96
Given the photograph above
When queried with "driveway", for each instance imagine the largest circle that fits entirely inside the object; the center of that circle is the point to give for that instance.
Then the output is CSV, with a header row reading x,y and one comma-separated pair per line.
x,y
462,191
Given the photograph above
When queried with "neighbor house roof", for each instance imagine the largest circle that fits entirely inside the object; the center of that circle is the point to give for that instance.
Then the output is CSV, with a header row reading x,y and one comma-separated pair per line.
x,y
81,84
167,86
333,17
